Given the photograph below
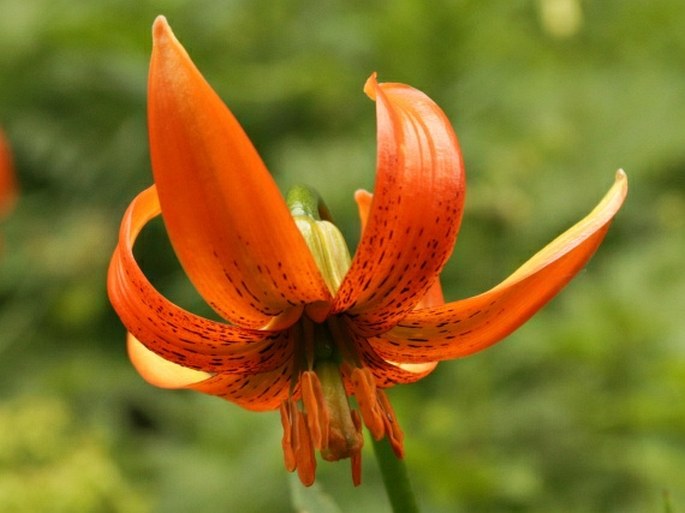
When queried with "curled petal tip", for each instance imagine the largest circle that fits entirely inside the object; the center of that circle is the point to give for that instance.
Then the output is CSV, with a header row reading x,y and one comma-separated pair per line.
x,y
620,187
371,85
362,195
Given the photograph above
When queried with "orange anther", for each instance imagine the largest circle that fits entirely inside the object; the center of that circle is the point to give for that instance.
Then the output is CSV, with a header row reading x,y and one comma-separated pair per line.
x,y
306,460
392,427
356,456
364,387
356,462
287,442
315,406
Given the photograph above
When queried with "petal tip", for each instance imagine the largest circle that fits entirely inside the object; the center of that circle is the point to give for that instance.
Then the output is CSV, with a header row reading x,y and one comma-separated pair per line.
x,y
160,28
621,183
362,195
371,86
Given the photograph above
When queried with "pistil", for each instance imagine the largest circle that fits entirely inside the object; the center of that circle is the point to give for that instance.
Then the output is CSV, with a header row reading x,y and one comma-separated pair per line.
x,y
344,435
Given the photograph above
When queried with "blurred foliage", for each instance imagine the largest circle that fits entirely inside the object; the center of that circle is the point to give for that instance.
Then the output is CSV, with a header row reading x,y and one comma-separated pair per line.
x,y
581,410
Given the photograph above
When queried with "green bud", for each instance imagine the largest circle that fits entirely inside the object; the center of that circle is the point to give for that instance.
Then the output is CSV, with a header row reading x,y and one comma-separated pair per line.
x,y
326,243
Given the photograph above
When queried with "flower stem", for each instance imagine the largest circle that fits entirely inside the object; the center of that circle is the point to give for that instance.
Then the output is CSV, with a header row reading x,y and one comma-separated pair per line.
x,y
395,478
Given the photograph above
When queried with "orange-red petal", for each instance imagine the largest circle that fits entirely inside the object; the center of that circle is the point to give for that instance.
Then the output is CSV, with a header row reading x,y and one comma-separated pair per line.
x,y
363,199
464,327
158,371
8,181
170,331
388,372
261,391
415,213
257,392
226,219
434,295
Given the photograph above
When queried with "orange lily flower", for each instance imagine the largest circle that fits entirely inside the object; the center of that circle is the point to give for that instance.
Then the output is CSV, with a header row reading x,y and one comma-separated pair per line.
x,y
8,182
307,327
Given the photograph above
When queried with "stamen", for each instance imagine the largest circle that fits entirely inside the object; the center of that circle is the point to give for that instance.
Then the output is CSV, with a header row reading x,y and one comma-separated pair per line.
x,y
306,461
287,442
392,427
364,386
309,342
356,463
356,457
295,420
315,406
343,341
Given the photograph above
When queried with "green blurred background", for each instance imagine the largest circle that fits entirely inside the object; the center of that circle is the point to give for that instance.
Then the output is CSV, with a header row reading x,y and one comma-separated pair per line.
x,y
581,410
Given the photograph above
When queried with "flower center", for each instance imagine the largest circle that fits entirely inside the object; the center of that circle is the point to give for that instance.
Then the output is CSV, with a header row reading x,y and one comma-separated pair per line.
x,y
317,416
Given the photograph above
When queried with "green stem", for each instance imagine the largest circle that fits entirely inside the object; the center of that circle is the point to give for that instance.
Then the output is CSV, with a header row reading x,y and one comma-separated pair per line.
x,y
395,478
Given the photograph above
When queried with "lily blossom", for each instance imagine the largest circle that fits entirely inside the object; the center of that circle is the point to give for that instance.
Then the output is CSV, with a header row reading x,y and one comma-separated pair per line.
x,y
307,326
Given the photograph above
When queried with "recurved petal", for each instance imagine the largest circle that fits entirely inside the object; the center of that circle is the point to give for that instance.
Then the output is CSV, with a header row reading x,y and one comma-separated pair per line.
x,y
160,372
258,392
464,327
434,295
388,373
226,219
261,391
363,199
415,212
172,332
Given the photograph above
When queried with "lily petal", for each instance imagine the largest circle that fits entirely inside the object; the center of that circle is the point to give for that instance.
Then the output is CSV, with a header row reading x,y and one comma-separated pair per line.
x,y
434,295
160,372
257,392
170,331
363,199
388,373
262,391
226,219
464,327
415,213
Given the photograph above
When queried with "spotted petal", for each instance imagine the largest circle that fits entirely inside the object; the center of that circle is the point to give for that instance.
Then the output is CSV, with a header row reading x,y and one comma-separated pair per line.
x,y
253,391
158,371
168,330
226,219
415,212
388,373
257,392
464,327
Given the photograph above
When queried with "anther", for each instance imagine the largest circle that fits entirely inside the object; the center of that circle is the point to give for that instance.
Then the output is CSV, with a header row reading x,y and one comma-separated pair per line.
x,y
287,442
392,427
306,460
364,386
315,406
356,457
